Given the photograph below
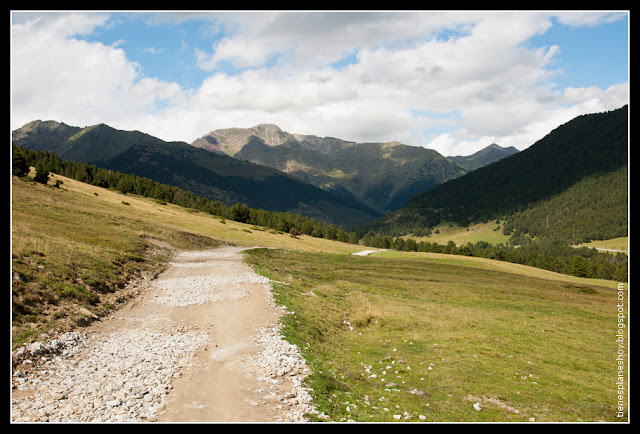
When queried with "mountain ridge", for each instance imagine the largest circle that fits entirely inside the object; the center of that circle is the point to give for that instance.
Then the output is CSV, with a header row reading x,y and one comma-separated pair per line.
x,y
382,175
210,174
483,157
230,140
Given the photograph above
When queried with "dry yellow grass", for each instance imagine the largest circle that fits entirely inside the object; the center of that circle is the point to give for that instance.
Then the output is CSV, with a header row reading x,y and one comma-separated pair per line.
x,y
156,220
74,248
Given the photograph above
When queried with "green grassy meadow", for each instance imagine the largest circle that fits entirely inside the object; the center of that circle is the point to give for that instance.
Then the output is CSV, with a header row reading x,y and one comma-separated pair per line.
x,y
405,337
391,337
619,244
490,232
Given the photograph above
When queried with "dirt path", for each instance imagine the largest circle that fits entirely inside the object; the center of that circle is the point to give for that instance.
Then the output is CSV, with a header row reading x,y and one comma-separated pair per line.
x,y
220,385
217,387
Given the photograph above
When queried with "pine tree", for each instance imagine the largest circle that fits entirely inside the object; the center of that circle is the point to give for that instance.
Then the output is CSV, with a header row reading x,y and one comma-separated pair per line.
x,y
42,175
579,266
20,166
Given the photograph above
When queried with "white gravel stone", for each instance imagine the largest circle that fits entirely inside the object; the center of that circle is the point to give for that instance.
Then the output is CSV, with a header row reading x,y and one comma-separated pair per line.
x,y
281,363
129,371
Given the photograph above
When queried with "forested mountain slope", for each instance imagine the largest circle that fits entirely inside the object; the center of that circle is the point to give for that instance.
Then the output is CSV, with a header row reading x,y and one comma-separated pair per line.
x,y
590,149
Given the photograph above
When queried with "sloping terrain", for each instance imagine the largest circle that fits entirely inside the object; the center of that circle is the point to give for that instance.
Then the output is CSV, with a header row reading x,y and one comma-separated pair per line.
x,y
216,176
588,147
376,331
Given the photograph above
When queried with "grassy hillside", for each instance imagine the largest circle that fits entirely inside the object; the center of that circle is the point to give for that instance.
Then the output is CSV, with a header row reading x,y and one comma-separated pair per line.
x,y
618,244
75,248
449,331
490,232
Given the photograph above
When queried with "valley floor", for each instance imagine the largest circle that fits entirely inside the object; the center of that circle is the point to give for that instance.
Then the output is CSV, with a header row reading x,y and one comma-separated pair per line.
x,y
388,336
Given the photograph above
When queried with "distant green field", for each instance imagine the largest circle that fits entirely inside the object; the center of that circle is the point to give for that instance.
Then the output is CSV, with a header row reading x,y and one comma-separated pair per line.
x,y
406,336
617,244
490,232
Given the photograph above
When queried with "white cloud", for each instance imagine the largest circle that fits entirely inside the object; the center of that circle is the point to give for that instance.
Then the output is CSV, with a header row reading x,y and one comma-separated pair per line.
x,y
476,64
56,76
588,18
311,39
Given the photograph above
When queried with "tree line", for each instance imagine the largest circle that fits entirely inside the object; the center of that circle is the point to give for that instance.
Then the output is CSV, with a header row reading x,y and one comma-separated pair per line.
x,y
46,162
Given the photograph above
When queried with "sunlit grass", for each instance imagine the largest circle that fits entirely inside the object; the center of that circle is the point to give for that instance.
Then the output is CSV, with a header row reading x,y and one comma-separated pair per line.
x,y
395,338
620,243
490,232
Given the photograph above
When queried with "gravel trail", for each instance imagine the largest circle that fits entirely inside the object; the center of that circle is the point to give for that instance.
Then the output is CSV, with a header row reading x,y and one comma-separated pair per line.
x,y
201,343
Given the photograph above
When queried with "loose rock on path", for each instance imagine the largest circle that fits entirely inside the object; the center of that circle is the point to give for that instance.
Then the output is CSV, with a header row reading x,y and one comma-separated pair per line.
x,y
201,343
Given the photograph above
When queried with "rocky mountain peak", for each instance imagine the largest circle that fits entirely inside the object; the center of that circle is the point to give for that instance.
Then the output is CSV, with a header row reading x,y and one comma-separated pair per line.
x,y
231,140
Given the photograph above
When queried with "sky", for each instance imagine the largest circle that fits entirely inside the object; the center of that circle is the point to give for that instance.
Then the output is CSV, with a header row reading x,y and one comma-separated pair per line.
x,y
453,81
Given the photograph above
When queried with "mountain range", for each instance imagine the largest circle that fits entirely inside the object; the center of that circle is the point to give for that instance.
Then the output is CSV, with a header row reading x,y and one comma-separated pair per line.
x,y
332,180
212,175
571,183
382,176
